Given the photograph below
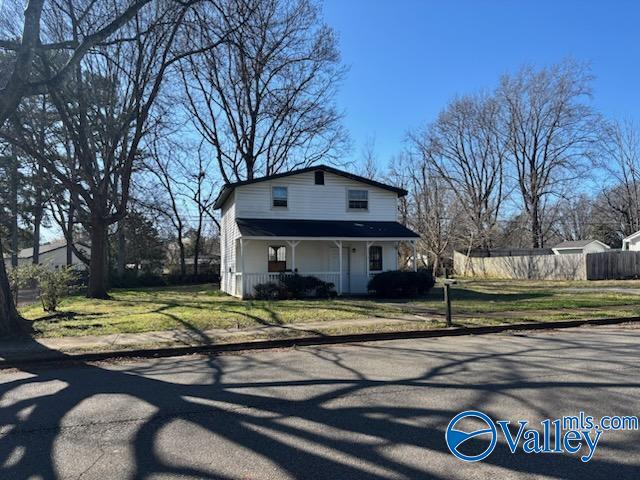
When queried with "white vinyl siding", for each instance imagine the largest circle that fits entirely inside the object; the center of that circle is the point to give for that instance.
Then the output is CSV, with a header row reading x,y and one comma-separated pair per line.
x,y
309,201
228,233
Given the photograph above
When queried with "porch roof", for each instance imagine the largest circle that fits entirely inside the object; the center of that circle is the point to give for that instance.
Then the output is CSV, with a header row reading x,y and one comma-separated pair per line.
x,y
339,229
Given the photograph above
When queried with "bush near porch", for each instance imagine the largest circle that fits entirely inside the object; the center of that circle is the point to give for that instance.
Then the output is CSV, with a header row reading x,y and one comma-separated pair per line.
x,y
401,284
294,287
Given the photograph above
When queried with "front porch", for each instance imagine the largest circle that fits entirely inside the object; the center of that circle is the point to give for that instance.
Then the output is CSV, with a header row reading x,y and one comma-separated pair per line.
x,y
347,263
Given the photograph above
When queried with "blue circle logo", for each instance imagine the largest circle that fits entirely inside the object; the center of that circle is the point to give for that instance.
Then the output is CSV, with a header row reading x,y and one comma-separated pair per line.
x,y
456,438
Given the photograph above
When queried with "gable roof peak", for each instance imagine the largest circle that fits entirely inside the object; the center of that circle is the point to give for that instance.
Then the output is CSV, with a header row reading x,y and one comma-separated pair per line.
x,y
228,188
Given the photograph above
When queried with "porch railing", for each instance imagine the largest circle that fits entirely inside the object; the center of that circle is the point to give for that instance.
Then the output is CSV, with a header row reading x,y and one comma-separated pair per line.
x,y
246,282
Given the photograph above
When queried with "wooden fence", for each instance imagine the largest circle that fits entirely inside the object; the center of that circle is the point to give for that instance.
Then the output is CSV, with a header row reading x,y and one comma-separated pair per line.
x,y
531,267
614,265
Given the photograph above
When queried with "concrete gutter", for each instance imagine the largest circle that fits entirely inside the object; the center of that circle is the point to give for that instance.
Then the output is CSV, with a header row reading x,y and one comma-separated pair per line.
x,y
44,357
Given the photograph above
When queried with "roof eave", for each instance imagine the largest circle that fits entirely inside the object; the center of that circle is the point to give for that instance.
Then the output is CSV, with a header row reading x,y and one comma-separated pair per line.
x,y
632,236
351,239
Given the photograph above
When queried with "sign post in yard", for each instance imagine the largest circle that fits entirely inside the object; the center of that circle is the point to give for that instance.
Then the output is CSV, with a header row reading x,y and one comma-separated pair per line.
x,y
447,298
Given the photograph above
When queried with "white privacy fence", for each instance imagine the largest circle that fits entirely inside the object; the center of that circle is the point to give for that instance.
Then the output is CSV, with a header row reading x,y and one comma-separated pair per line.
x,y
530,267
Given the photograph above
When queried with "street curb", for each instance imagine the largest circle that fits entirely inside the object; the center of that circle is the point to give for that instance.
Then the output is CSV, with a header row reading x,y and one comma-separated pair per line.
x,y
59,357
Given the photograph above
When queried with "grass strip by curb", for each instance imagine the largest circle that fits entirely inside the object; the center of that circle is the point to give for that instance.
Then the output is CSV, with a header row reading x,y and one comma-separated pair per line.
x,y
55,357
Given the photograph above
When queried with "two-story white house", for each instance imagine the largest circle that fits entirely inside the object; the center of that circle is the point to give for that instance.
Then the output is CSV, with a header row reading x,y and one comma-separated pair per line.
x,y
320,221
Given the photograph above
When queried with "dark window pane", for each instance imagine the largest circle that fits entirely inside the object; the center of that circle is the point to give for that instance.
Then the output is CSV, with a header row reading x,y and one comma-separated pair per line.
x,y
319,177
375,258
277,261
359,199
279,196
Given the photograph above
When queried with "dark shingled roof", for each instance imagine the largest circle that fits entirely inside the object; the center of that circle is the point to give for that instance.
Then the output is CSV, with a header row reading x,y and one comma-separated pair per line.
x,y
264,227
229,187
574,243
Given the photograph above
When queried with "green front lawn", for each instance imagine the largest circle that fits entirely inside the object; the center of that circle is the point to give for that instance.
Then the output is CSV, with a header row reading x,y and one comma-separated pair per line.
x,y
203,307
198,307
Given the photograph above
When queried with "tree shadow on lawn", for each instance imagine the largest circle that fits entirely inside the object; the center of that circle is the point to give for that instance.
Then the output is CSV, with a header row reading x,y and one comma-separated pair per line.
x,y
466,294
252,415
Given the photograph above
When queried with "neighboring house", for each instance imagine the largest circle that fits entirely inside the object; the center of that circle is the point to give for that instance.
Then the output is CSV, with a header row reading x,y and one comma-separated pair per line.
x,y
318,221
632,242
52,254
580,246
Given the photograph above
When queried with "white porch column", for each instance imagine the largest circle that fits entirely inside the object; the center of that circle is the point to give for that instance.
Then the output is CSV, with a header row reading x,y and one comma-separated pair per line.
x,y
339,245
242,279
415,255
293,246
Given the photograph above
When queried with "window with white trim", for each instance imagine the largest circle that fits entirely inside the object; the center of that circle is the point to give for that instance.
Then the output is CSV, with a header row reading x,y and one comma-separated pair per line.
x,y
277,260
358,199
279,196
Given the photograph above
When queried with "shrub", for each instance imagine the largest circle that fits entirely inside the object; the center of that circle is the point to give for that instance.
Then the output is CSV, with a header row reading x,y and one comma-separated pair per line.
x,y
188,279
268,291
53,285
21,277
133,279
294,286
401,284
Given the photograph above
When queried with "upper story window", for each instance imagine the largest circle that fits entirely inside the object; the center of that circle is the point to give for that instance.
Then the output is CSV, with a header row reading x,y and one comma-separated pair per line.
x,y
279,196
358,199
375,258
319,177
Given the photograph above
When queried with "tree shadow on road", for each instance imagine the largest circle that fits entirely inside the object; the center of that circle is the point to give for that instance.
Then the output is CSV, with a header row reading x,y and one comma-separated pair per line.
x,y
290,422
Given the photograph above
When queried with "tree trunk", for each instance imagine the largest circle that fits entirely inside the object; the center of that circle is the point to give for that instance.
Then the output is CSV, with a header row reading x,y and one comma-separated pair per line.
x,y
10,320
37,222
183,261
13,245
70,225
196,253
38,211
98,264
536,229
121,261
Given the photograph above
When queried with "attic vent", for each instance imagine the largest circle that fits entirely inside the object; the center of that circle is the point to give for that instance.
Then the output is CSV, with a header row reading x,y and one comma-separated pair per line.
x,y
319,177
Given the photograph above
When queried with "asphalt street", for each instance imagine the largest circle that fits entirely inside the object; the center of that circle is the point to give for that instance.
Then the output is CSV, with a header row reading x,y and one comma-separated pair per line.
x,y
367,411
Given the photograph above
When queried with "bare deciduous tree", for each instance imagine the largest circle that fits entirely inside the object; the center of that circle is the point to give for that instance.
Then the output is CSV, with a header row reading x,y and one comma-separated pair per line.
x,y
105,111
368,166
264,100
431,209
550,131
27,43
31,46
180,187
620,160
464,148
573,218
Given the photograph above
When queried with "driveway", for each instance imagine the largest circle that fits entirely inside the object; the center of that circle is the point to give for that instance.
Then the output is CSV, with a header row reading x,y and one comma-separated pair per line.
x,y
370,411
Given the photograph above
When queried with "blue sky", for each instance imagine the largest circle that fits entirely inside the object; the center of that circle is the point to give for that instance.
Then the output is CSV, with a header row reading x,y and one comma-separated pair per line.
x,y
407,58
